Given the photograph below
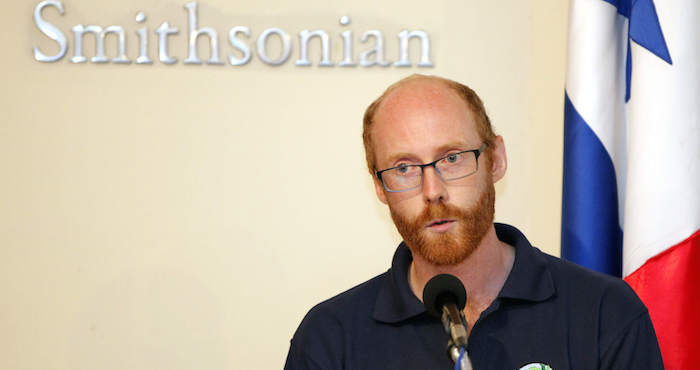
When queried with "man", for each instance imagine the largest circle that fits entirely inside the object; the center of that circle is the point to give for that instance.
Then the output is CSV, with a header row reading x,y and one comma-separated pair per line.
x,y
434,158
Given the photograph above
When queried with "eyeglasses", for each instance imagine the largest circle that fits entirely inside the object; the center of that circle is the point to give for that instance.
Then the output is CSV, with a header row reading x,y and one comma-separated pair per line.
x,y
453,166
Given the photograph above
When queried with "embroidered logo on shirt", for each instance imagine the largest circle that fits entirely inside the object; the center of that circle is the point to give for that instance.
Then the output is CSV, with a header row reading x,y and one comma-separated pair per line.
x,y
536,366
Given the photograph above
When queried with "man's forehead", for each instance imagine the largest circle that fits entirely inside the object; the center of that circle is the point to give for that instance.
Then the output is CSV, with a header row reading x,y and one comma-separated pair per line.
x,y
419,91
422,116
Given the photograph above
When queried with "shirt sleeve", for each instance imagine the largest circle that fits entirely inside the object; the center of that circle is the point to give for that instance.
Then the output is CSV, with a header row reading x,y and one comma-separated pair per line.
x,y
297,360
635,348
317,343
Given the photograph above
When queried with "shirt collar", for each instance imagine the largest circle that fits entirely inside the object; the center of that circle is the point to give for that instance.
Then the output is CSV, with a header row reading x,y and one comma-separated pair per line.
x,y
529,279
396,301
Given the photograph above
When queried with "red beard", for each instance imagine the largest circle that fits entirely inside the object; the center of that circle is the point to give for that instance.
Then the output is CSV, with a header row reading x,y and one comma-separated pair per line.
x,y
455,245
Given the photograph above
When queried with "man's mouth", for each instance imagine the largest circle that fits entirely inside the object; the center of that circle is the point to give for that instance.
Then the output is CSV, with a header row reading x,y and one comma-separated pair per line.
x,y
440,222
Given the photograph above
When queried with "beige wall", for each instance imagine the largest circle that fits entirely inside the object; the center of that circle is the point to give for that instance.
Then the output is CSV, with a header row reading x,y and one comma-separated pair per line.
x,y
186,217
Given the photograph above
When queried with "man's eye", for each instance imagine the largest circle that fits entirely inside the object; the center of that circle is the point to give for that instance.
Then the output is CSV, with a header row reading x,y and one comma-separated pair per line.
x,y
403,168
452,158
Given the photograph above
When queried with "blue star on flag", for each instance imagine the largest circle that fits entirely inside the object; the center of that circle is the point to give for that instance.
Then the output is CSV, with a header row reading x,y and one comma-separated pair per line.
x,y
644,29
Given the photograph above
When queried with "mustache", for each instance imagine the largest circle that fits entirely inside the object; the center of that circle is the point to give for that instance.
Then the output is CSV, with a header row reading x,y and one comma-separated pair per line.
x,y
436,211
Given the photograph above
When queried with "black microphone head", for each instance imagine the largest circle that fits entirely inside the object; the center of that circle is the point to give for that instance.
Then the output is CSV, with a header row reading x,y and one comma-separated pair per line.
x,y
442,289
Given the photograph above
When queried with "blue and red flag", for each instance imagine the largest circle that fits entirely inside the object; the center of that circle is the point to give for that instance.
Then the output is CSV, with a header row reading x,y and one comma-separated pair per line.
x,y
631,190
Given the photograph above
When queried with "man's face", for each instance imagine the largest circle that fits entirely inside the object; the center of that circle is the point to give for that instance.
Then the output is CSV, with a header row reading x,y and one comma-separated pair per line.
x,y
442,221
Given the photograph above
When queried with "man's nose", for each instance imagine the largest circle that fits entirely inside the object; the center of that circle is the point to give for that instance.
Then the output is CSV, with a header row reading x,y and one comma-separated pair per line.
x,y
434,189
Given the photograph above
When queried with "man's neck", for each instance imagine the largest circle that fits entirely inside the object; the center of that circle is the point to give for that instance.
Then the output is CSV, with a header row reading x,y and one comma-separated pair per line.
x,y
483,273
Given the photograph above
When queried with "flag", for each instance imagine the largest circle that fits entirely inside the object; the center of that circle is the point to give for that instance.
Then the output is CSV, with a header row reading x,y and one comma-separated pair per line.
x,y
631,187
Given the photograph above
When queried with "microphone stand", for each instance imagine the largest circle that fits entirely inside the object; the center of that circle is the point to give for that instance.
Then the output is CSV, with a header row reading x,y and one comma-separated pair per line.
x,y
453,352
458,337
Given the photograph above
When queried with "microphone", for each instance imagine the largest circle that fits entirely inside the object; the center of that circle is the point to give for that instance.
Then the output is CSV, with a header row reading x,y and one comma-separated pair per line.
x,y
444,297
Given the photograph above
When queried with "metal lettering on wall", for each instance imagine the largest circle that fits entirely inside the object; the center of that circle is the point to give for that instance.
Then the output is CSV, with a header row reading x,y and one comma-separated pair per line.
x,y
374,56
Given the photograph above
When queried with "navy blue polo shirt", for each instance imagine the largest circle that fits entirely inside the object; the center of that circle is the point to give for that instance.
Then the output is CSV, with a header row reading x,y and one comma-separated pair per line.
x,y
549,312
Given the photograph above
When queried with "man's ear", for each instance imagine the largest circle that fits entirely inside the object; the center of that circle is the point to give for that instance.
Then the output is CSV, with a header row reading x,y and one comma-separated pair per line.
x,y
499,161
379,189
